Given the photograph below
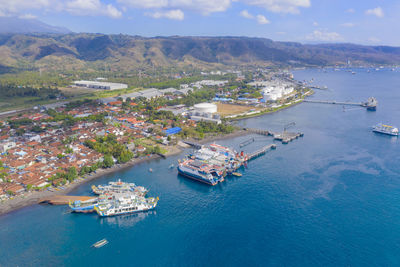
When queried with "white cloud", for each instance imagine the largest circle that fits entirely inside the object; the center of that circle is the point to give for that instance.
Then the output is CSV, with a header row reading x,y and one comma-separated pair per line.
x,y
210,6
203,6
374,40
92,8
259,18
315,24
115,9
375,12
14,7
350,10
246,14
145,3
75,7
27,16
262,19
280,6
325,36
348,24
171,14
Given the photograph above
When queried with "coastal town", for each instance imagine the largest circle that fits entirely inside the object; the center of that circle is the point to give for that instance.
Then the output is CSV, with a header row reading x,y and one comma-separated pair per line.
x,y
53,145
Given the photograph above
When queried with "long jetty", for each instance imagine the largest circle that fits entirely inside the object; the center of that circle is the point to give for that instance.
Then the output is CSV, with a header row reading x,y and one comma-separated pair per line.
x,y
247,142
260,152
334,102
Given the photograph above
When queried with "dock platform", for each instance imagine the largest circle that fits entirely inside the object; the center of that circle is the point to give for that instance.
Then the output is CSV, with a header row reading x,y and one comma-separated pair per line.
x,y
284,136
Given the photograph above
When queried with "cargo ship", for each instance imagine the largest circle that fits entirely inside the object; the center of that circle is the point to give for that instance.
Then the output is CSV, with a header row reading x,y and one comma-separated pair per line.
x,y
386,129
125,204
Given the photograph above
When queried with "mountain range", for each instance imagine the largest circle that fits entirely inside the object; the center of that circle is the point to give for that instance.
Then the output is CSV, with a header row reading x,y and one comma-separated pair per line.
x,y
87,51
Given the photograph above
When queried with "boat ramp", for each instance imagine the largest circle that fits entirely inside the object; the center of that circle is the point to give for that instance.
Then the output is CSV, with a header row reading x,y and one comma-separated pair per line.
x,y
64,200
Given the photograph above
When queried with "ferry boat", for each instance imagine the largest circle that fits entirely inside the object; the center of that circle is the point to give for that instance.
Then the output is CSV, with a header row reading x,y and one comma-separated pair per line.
x,y
100,243
198,171
83,206
386,129
119,187
125,204
88,205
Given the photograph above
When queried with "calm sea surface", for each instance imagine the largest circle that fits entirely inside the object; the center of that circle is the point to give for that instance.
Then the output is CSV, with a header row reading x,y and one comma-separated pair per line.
x,y
331,198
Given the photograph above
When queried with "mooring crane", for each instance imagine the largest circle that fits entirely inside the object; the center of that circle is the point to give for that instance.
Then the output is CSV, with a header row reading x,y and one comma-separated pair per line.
x,y
287,126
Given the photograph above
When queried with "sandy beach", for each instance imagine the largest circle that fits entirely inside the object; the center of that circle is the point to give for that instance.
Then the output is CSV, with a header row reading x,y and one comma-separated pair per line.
x,y
31,198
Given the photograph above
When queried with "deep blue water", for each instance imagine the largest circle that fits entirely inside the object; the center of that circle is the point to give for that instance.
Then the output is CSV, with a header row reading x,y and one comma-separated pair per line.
x,y
331,198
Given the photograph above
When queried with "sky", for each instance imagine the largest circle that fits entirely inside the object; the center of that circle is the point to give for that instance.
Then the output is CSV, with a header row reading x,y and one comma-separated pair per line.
x,y
371,22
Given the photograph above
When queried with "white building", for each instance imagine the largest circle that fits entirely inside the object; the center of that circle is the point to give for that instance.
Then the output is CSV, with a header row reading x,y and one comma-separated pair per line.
x,y
205,108
100,85
273,93
205,112
6,146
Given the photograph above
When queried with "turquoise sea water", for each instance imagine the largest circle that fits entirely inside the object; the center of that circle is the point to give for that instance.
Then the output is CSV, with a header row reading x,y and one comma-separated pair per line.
x,y
331,198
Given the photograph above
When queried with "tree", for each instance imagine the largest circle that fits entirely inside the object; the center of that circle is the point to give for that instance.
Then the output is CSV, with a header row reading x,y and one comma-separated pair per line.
x,y
20,132
72,174
157,150
28,187
108,161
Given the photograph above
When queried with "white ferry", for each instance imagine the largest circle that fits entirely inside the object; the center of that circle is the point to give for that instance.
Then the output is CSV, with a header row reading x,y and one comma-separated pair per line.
x,y
119,187
125,204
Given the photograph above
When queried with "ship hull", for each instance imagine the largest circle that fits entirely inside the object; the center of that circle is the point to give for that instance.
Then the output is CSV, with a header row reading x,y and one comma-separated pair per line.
x,y
387,133
83,209
102,214
194,177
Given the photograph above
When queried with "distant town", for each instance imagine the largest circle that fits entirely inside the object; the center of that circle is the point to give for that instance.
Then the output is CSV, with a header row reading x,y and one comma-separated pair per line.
x,y
52,145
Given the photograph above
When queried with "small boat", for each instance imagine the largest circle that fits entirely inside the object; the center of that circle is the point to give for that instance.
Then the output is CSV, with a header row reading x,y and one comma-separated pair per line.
x,y
238,174
171,166
150,170
100,243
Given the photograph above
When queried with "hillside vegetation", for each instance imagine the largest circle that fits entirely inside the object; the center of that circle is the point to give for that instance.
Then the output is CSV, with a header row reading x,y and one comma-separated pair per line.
x,y
71,52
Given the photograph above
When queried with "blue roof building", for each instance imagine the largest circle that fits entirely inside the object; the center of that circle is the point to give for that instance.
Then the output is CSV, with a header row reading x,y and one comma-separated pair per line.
x,y
174,130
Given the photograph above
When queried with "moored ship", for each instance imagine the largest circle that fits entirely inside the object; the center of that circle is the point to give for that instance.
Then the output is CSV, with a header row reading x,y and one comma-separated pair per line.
x,y
125,204
119,187
210,164
198,171
370,104
386,129
83,206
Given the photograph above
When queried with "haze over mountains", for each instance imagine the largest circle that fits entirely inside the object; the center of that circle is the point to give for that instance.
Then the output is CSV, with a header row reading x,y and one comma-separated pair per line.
x,y
28,25
31,44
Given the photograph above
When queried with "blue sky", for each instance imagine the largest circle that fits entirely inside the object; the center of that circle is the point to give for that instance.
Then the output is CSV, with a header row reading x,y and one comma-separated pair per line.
x,y
371,22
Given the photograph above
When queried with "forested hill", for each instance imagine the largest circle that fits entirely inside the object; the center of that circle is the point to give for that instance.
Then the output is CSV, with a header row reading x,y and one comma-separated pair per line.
x,y
124,52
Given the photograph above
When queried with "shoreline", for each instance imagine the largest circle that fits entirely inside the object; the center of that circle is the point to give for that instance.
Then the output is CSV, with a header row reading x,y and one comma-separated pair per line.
x,y
32,198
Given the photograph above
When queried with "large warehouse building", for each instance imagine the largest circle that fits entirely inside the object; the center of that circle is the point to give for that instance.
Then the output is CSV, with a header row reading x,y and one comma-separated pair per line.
x,y
101,85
